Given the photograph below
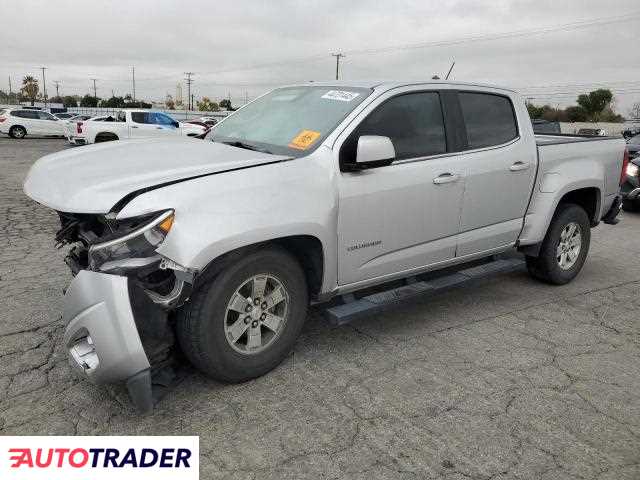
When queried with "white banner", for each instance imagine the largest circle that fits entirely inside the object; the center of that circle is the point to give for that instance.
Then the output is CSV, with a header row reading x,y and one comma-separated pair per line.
x,y
98,458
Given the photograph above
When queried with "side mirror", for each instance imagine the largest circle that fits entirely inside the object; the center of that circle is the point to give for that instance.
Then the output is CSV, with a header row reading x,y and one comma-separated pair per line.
x,y
176,124
374,151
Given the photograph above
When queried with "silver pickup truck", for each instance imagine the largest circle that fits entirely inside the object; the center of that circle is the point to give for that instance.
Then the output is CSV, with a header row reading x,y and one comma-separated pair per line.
x,y
308,193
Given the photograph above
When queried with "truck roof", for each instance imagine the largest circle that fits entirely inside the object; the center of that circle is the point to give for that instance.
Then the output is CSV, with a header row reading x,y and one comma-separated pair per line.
x,y
389,84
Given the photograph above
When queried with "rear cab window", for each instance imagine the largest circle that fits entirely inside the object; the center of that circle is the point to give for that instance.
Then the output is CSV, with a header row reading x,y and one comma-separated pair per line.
x,y
489,118
139,117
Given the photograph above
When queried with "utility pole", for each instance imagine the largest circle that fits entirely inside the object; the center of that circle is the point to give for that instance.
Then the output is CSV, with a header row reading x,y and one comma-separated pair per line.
x,y
192,101
338,57
133,81
10,92
44,85
95,94
189,82
57,82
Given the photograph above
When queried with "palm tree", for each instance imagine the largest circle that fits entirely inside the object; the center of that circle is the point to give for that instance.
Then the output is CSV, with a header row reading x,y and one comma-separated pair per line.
x,y
30,88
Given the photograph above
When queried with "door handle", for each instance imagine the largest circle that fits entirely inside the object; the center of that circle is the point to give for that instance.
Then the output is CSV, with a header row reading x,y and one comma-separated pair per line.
x,y
516,167
446,178
133,126
158,128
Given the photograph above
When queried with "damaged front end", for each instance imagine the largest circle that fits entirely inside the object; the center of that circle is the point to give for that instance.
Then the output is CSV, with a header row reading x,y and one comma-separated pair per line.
x,y
118,307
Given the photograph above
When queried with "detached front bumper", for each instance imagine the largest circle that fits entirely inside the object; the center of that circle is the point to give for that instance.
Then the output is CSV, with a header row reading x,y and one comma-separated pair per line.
x,y
102,338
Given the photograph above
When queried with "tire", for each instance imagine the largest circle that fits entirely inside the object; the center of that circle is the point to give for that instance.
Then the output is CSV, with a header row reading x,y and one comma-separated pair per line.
x,y
204,325
631,205
18,132
105,137
547,266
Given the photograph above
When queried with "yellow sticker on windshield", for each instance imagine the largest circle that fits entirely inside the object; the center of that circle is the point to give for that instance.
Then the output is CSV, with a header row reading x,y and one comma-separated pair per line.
x,y
304,139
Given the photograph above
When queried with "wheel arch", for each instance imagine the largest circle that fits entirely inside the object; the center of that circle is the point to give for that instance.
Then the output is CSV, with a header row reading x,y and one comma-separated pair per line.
x,y
17,125
588,197
107,136
306,249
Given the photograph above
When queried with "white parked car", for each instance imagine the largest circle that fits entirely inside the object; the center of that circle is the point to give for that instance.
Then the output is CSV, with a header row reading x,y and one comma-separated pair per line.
x,y
138,124
19,122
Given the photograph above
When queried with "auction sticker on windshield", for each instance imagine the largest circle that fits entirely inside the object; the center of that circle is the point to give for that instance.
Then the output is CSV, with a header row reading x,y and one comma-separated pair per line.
x,y
340,95
304,139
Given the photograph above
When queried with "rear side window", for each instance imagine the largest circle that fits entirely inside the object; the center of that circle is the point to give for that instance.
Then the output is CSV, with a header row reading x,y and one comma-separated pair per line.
x,y
413,122
33,114
490,119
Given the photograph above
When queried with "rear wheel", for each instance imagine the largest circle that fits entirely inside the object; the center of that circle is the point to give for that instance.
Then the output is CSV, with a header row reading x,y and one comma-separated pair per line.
x,y
106,137
17,131
245,321
564,248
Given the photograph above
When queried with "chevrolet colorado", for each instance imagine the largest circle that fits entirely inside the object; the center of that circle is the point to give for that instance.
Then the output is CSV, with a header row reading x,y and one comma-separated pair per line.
x,y
309,192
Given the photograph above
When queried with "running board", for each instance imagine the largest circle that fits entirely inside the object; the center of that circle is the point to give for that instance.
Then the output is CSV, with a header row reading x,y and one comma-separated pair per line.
x,y
370,304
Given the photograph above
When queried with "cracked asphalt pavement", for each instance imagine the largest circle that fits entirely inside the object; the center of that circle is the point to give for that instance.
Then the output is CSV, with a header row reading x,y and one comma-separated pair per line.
x,y
508,379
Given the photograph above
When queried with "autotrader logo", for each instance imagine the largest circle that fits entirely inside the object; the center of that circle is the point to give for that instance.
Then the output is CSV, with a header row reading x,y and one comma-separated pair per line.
x,y
99,457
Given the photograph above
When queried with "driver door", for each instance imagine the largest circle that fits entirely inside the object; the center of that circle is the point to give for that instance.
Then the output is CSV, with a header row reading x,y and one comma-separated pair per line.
x,y
406,215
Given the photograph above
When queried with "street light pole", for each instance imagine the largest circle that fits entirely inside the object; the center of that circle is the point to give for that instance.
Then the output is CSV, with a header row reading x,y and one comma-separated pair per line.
x,y
189,82
95,94
44,85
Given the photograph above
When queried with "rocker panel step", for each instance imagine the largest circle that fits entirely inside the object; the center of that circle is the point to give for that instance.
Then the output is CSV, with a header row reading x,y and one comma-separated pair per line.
x,y
370,304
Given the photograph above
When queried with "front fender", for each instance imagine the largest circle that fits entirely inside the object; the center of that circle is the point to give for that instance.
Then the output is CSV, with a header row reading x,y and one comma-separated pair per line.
x,y
219,213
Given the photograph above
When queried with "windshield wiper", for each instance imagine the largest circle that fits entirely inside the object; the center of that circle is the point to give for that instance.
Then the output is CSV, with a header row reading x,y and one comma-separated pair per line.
x,y
246,146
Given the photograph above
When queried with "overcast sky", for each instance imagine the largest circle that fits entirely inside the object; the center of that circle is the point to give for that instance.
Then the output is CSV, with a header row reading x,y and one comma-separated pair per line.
x,y
223,42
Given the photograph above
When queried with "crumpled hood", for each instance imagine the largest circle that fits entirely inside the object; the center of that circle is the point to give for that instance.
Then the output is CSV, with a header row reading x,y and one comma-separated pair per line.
x,y
92,179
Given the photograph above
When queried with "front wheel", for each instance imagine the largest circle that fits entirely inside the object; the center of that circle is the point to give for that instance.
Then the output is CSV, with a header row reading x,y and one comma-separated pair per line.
x,y
564,248
245,321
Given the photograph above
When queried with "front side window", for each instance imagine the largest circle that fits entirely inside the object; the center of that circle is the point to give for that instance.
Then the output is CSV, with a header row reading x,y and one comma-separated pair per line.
x,y
289,121
45,116
490,119
413,122
158,118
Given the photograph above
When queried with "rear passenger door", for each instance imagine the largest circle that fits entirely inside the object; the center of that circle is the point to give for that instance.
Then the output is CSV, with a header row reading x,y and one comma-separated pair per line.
x,y
500,168
30,120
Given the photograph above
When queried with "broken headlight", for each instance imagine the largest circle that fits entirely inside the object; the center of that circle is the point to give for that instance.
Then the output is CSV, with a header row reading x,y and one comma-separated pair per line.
x,y
137,246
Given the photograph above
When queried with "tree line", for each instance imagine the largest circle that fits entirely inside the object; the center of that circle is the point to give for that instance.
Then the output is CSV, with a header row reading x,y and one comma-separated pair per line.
x,y
596,106
30,92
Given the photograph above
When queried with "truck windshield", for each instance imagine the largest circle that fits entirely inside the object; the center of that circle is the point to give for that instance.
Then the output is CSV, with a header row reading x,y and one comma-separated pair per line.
x,y
289,121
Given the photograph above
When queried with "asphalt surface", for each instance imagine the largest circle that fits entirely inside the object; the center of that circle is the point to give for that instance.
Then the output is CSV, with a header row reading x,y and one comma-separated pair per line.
x,y
510,379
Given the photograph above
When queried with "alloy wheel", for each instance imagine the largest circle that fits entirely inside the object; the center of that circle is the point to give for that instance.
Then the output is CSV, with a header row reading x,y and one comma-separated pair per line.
x,y
256,314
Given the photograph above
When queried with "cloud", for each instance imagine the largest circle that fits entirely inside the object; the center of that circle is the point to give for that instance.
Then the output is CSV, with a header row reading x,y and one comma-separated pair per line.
x,y
219,40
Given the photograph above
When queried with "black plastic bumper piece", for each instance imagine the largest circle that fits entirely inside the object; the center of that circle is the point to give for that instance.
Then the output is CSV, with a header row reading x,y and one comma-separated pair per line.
x,y
140,392
610,217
